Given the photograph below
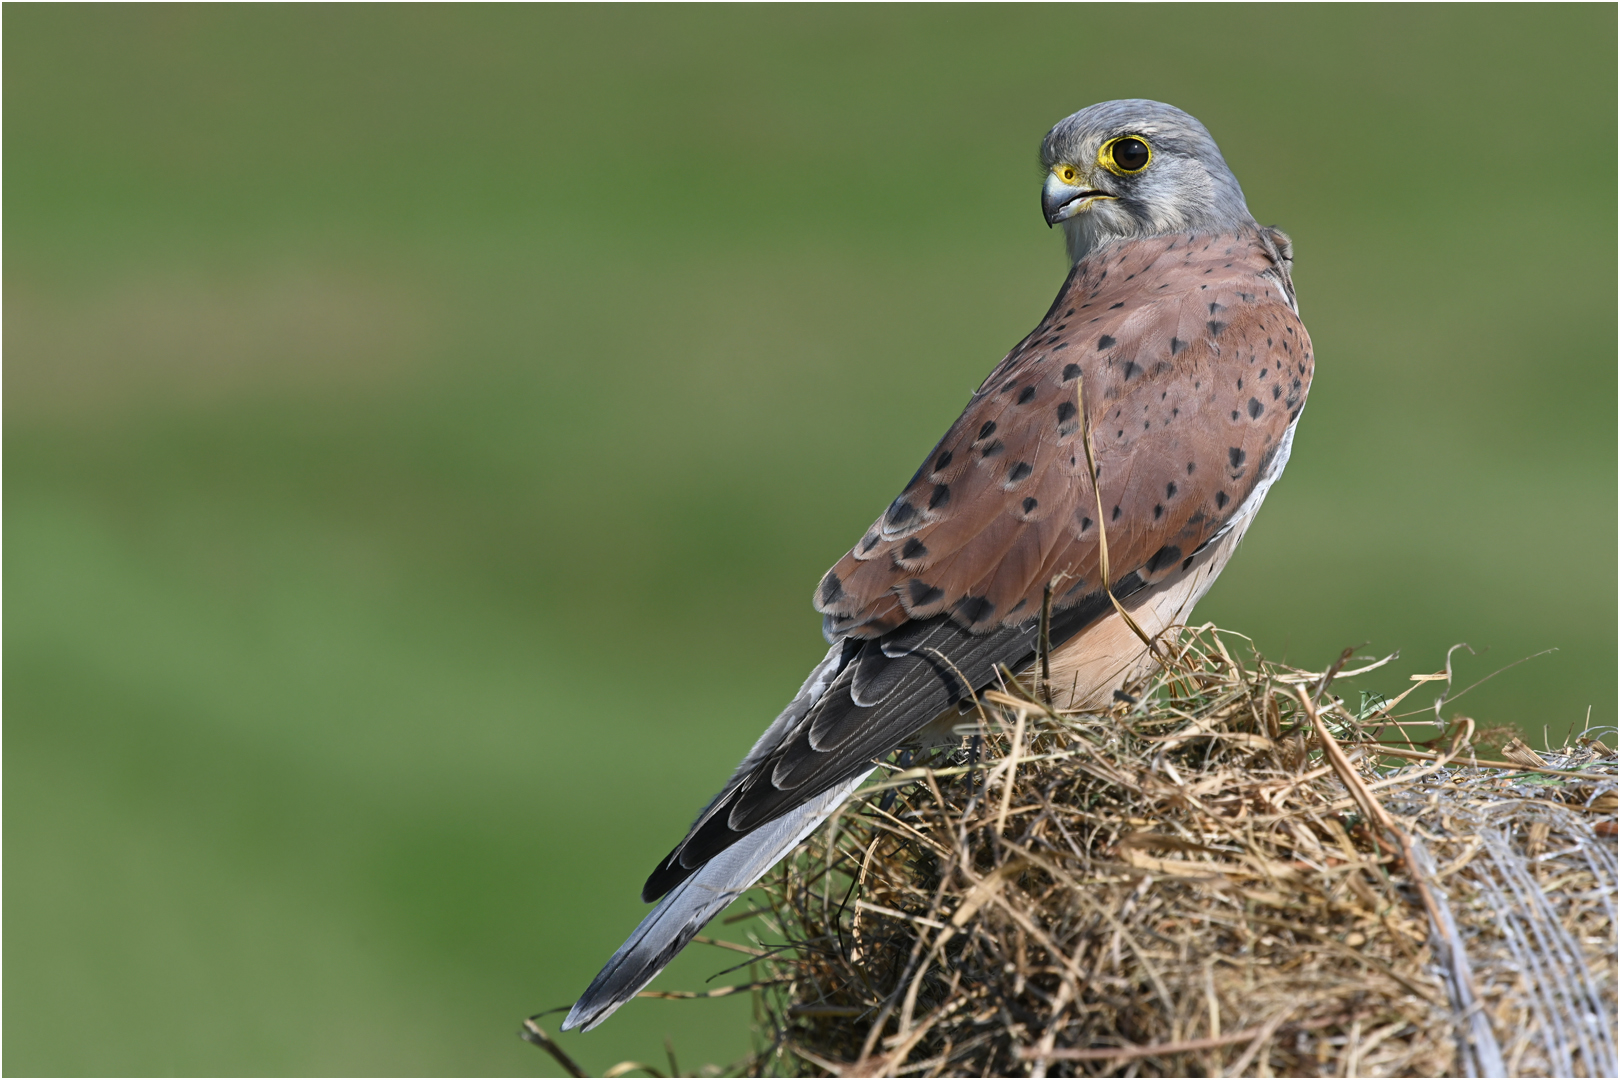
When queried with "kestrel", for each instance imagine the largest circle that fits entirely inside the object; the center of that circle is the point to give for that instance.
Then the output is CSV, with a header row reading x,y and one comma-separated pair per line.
x,y
1178,336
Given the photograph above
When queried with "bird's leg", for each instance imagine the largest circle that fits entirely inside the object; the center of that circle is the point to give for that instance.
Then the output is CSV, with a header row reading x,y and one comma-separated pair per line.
x,y
975,742
904,761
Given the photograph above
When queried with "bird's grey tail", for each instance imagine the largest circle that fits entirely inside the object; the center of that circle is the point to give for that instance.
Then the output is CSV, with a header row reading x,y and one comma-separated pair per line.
x,y
691,904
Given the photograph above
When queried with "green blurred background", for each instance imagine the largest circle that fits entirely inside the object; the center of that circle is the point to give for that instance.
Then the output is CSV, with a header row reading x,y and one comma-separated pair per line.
x,y
425,427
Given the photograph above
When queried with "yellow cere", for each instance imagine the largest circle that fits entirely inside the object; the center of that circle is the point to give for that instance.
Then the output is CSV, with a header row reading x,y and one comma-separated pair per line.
x,y
1067,173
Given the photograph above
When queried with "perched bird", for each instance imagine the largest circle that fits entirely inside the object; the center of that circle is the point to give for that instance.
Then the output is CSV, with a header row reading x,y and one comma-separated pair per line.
x,y
1108,465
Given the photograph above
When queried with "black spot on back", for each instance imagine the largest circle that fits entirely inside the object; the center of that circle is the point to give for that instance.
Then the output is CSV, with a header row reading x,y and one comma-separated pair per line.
x,y
923,593
988,429
1104,342
1255,408
900,512
1018,472
1131,369
1168,555
1066,411
1176,345
975,609
941,496
831,589
1221,499
1030,504
914,549
1236,456
1071,371
1265,459
1027,396
942,461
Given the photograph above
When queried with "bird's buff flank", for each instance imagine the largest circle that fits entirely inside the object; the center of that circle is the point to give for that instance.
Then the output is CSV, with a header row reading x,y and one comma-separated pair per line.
x,y
1033,521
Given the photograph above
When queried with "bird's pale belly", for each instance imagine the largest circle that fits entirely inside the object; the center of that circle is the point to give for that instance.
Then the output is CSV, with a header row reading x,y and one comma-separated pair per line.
x,y
1088,668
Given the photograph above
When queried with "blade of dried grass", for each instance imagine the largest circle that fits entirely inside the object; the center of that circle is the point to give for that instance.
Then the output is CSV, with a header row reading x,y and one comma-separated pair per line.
x,y
1485,763
532,1032
717,992
1102,525
1011,766
1261,1038
1121,1054
748,950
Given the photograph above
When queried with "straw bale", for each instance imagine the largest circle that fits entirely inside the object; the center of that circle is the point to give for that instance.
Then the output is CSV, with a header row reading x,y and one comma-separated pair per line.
x,y
1226,874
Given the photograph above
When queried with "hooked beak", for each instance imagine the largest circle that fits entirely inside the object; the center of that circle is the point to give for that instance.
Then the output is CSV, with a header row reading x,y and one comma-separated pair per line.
x,y
1060,201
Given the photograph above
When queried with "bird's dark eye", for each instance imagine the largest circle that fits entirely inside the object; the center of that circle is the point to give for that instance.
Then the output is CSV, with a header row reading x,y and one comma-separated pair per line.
x,y
1127,155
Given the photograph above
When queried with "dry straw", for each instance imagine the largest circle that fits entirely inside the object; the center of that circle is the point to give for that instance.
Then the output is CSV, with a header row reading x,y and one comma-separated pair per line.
x,y
1224,875
1231,873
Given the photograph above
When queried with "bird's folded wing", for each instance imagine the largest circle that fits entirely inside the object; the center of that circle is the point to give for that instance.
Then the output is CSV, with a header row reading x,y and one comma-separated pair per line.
x,y
1193,363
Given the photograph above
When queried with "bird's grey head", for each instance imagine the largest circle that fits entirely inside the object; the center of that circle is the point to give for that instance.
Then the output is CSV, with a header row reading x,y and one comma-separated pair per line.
x,y
1129,169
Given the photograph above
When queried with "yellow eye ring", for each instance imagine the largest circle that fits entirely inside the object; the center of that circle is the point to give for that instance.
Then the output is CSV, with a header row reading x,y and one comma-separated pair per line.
x,y
1125,156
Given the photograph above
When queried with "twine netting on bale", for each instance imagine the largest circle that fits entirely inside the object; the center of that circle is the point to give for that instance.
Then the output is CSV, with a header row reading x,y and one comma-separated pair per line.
x,y
1224,875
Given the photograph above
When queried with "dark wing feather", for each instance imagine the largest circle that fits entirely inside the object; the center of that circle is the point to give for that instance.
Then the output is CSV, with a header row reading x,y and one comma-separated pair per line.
x,y
840,738
1194,365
